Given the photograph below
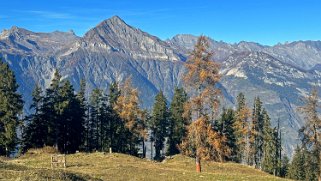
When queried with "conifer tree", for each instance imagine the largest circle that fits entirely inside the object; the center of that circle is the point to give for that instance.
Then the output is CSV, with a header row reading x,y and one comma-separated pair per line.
x,y
285,163
225,126
242,130
117,130
178,124
201,77
70,120
256,134
10,107
211,144
98,122
34,135
83,114
297,167
50,108
127,106
159,123
270,156
310,132
311,166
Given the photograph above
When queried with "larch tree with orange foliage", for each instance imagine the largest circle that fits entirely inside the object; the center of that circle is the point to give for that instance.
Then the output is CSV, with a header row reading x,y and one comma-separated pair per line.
x,y
202,75
310,133
127,106
242,129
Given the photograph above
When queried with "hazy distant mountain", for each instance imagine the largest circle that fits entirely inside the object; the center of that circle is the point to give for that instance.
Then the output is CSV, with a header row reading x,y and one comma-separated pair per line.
x,y
113,50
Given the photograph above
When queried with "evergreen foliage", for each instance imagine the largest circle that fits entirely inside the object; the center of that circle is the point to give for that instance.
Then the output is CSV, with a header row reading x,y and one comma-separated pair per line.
x,y
256,134
10,107
297,167
177,123
159,124
225,127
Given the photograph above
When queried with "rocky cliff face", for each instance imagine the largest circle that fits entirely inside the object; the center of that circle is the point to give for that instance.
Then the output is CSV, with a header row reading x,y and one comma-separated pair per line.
x,y
113,51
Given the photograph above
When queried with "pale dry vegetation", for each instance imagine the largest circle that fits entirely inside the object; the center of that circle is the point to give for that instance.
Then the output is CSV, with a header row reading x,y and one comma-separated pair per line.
x,y
35,165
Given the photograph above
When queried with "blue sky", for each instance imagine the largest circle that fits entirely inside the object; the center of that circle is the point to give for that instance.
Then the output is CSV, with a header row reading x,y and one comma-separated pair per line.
x,y
264,21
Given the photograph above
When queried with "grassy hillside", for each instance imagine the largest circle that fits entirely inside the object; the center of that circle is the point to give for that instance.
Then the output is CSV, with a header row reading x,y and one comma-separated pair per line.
x,y
99,166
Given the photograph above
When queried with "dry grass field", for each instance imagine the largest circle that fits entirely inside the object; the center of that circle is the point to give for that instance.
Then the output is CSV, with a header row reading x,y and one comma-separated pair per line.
x,y
35,165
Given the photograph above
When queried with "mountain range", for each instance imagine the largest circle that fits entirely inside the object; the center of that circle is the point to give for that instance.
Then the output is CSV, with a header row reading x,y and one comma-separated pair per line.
x,y
113,50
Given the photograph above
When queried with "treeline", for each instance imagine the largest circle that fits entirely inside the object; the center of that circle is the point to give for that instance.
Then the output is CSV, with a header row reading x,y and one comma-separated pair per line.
x,y
68,121
193,124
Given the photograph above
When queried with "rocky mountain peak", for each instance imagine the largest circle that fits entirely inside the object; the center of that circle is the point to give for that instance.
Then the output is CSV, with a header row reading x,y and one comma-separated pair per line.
x,y
116,19
14,32
114,35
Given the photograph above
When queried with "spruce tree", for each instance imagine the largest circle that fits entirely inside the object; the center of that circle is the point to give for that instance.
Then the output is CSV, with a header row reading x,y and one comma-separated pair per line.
x,y
297,167
117,130
225,126
34,134
10,107
70,120
285,163
51,110
159,123
83,114
98,121
178,124
256,134
270,155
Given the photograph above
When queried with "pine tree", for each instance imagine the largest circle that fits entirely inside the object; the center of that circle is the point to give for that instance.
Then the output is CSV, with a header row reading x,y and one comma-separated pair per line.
x,y
159,123
178,124
242,130
10,107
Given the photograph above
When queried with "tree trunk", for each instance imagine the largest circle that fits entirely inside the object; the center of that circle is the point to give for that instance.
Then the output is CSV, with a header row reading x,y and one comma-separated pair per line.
x,y
144,151
198,164
151,150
